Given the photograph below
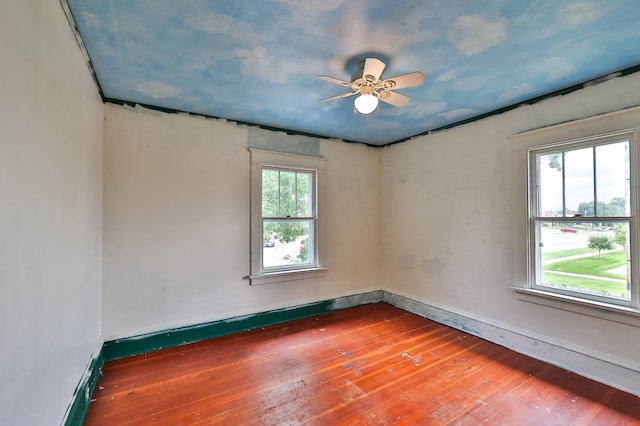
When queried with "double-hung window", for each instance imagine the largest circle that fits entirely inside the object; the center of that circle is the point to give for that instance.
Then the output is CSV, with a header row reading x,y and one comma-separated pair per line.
x,y
285,216
583,220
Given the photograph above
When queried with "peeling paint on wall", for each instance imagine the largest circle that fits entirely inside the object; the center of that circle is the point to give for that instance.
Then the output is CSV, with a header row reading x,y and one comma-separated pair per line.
x,y
433,266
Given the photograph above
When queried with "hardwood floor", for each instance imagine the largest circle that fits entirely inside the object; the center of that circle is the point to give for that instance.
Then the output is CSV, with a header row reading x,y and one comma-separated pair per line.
x,y
369,365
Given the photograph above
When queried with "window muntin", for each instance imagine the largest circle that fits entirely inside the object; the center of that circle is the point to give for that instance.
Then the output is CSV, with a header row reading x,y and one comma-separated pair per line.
x,y
581,221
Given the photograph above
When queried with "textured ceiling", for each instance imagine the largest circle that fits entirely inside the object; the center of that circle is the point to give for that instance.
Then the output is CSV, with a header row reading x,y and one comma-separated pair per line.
x,y
257,61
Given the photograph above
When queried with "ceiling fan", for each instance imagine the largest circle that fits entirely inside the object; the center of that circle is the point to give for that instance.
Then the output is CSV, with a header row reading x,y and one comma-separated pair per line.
x,y
366,82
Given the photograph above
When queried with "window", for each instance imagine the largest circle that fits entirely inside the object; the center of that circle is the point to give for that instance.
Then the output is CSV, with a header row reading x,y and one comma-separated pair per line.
x,y
583,220
286,225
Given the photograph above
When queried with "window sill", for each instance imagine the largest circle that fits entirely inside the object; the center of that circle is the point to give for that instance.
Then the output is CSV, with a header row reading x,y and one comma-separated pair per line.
x,y
282,276
610,312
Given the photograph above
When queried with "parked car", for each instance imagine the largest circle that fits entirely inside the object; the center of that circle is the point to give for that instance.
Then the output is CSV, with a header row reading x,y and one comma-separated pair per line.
x,y
570,230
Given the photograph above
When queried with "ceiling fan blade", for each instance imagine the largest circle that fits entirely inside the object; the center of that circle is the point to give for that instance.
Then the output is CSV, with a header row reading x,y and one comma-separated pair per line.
x,y
334,80
395,99
373,67
344,95
406,80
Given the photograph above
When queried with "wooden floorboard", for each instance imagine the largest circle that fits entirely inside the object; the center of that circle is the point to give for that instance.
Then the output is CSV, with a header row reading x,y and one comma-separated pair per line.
x,y
369,365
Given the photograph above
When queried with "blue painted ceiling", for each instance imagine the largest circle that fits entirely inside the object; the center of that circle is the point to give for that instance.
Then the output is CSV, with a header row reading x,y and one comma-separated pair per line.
x,y
257,61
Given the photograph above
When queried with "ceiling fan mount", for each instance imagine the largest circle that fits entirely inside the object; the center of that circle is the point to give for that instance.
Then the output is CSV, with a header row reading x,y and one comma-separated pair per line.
x,y
367,83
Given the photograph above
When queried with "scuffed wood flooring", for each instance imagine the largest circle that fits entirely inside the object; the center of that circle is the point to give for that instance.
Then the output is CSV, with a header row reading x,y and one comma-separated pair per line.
x,y
369,365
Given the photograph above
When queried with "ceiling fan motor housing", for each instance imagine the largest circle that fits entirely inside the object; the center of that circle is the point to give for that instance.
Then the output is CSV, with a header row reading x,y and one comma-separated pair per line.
x,y
367,89
367,82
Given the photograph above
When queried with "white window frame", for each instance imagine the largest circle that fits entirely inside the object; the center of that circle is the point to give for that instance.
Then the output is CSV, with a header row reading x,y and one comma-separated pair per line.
x,y
535,266
260,160
525,145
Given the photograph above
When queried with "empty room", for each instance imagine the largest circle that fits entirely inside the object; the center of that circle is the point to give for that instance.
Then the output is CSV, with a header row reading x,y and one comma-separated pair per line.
x,y
321,212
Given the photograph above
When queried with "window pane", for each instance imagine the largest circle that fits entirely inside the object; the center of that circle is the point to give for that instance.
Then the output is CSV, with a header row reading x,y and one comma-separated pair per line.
x,y
578,179
270,191
612,184
585,257
303,191
287,242
287,194
550,185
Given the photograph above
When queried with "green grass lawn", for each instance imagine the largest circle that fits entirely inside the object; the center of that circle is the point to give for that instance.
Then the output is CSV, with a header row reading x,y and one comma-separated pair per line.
x,y
588,284
592,265
565,253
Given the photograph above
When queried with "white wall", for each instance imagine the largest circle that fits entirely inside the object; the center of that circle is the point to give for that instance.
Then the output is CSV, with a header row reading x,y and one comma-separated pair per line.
x,y
452,220
50,214
176,229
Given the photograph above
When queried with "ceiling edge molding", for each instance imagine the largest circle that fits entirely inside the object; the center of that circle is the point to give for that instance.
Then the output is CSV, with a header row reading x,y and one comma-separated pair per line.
x,y
81,45
134,105
561,92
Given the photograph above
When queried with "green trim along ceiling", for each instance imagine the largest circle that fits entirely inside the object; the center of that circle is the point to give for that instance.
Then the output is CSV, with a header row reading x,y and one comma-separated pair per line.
x,y
255,62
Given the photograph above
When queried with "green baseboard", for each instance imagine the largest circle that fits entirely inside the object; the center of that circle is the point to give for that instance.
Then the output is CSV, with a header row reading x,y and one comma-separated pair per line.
x,y
82,396
134,345
128,346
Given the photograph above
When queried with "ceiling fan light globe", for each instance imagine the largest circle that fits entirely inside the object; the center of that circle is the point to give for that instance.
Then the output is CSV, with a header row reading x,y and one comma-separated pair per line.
x,y
366,104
